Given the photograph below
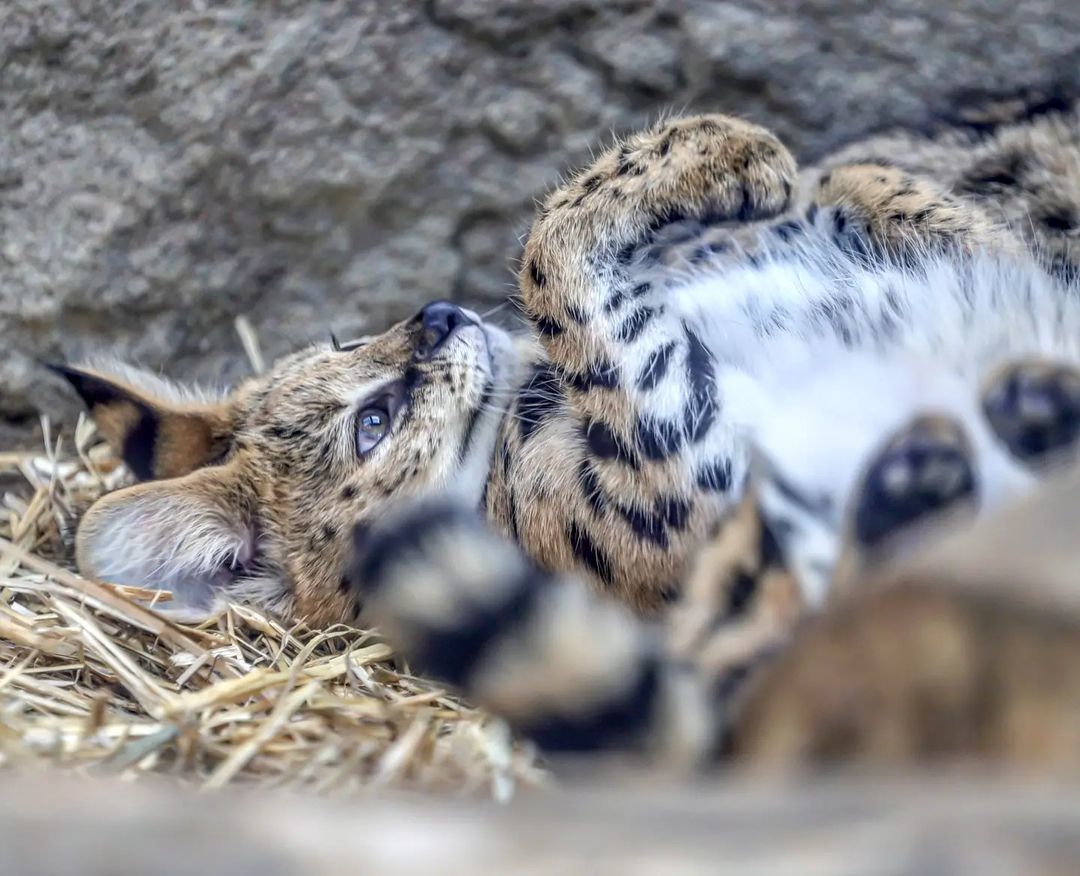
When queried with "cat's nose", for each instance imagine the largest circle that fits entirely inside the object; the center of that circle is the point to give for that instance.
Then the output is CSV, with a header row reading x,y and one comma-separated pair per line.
x,y
439,320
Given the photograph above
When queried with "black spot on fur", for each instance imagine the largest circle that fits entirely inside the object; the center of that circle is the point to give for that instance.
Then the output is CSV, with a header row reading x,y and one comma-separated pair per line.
x,y
716,476
658,439
511,516
634,324
664,146
702,408
666,216
839,313
591,184
284,432
605,444
747,209
743,588
1062,222
615,301
674,511
656,366
547,327
670,513
770,553
600,375
589,553
539,400
645,525
983,113
707,251
641,289
329,531
348,492
590,486
538,276
576,314
626,253
620,720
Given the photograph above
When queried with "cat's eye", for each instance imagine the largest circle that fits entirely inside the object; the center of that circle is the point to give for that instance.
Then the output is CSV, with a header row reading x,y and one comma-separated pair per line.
x,y
376,414
371,427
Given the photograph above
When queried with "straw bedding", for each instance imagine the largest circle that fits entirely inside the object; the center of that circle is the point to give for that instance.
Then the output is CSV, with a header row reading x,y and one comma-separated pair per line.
x,y
92,679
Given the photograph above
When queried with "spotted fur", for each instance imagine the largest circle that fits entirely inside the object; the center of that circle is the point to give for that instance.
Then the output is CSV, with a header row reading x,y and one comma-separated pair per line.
x,y
644,444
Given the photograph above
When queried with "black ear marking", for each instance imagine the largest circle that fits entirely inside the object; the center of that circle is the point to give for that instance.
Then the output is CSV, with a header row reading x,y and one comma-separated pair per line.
x,y
137,447
92,390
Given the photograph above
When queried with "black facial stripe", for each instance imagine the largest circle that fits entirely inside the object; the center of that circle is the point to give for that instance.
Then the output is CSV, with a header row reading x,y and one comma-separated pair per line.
x,y
656,366
539,400
586,550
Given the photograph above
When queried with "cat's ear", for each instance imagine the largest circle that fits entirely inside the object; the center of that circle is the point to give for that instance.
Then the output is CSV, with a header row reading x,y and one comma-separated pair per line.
x,y
192,535
156,428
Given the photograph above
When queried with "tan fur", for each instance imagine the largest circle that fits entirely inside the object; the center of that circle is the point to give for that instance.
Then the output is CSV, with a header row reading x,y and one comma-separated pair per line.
x,y
292,448
292,475
917,673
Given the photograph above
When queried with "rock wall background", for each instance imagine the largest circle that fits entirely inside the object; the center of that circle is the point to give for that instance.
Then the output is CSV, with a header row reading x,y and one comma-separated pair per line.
x,y
167,166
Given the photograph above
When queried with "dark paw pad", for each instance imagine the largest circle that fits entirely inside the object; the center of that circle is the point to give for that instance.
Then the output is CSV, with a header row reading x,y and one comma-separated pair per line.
x,y
923,470
1034,408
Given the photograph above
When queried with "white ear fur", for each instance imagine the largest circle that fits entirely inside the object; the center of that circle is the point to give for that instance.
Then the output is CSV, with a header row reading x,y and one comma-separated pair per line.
x,y
186,535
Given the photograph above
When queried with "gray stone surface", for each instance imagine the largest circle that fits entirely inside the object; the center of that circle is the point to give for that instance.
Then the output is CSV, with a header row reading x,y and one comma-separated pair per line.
x,y
167,166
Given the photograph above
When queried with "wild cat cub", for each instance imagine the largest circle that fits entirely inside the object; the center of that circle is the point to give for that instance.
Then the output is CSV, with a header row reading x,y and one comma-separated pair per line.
x,y
741,386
